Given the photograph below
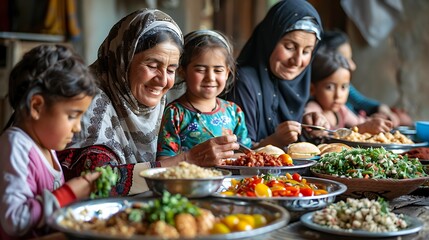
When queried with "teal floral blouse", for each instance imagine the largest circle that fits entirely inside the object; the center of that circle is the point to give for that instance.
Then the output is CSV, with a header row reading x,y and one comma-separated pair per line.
x,y
183,128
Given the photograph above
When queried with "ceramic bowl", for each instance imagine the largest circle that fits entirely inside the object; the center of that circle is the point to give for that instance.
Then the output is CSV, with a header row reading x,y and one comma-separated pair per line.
x,y
422,130
188,187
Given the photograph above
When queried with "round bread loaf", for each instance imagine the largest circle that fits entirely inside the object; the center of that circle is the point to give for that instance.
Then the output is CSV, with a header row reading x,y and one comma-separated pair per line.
x,y
302,150
271,150
332,147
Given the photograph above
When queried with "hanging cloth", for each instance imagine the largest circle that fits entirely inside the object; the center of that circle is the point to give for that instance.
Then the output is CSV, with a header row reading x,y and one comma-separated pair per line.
x,y
61,19
375,19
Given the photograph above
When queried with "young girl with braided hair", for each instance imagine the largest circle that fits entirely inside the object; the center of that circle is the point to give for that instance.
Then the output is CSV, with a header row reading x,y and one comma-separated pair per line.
x,y
200,127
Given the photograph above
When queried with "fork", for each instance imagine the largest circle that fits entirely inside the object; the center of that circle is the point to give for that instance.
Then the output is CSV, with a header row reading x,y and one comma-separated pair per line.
x,y
340,132
244,149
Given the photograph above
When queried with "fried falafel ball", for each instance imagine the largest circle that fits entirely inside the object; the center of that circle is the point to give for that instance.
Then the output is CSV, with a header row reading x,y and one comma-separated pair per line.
x,y
205,221
162,229
186,225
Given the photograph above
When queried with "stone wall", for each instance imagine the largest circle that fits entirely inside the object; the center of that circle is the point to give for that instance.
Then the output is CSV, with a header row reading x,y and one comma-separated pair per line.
x,y
396,71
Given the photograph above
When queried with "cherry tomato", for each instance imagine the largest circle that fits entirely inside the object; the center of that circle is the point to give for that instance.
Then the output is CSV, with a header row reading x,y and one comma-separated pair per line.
x,y
285,193
286,159
307,191
297,177
294,191
250,194
272,183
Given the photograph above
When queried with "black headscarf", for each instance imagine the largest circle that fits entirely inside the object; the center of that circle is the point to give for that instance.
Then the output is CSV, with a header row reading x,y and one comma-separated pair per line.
x,y
291,95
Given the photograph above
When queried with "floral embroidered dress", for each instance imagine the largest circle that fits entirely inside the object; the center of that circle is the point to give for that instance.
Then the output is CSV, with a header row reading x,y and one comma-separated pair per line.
x,y
183,128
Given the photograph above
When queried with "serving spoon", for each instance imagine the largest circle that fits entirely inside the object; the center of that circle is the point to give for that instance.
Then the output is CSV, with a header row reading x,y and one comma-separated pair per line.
x,y
339,132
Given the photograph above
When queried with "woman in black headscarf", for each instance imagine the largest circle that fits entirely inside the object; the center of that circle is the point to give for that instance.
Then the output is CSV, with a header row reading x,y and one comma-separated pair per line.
x,y
273,78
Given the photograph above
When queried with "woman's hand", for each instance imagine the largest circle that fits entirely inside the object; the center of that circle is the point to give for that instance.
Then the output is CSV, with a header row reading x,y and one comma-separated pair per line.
x,y
211,152
375,126
316,118
83,186
286,133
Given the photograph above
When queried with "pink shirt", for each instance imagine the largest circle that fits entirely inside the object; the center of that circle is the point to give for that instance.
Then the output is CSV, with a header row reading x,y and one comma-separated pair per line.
x,y
27,180
345,117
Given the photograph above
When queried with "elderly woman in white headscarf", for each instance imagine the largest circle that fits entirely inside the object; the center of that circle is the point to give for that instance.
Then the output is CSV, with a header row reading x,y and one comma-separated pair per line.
x,y
136,66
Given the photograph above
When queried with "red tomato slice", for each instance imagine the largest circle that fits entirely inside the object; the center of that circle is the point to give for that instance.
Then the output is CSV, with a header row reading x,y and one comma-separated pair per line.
x,y
307,192
294,191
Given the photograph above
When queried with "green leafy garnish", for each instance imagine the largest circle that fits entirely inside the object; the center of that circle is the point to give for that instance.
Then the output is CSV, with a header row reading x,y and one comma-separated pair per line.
x,y
105,182
376,163
167,207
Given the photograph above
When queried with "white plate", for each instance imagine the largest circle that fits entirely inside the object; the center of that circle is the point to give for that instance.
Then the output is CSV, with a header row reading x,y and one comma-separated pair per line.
x,y
414,225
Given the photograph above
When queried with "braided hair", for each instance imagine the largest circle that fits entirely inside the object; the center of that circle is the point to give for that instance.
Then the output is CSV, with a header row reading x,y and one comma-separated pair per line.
x,y
53,71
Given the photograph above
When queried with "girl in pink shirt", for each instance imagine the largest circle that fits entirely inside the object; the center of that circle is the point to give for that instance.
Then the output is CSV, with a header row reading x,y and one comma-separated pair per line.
x,y
49,89
330,81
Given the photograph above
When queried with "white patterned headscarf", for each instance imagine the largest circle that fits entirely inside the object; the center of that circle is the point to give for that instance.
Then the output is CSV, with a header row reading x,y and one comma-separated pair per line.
x,y
115,118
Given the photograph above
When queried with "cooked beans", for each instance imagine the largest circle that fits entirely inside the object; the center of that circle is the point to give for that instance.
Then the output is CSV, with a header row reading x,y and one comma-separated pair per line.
x,y
257,160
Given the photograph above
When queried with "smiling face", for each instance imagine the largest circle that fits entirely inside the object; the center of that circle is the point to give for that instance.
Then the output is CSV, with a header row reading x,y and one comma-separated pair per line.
x,y
152,73
53,125
206,75
332,92
292,54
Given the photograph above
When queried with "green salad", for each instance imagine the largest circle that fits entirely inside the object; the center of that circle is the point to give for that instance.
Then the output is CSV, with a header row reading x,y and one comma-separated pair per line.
x,y
377,163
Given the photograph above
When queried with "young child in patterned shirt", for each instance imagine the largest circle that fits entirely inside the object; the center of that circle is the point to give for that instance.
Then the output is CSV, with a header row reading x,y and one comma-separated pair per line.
x,y
194,126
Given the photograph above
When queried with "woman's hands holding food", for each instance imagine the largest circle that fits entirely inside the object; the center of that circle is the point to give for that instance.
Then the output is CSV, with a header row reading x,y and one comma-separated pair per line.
x,y
211,152
375,126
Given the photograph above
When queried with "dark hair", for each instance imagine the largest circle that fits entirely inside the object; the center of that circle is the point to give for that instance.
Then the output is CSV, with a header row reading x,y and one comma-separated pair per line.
x,y
156,36
194,46
53,71
333,39
325,63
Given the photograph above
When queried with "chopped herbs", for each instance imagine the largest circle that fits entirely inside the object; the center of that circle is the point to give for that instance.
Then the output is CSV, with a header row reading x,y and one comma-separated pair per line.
x,y
377,163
